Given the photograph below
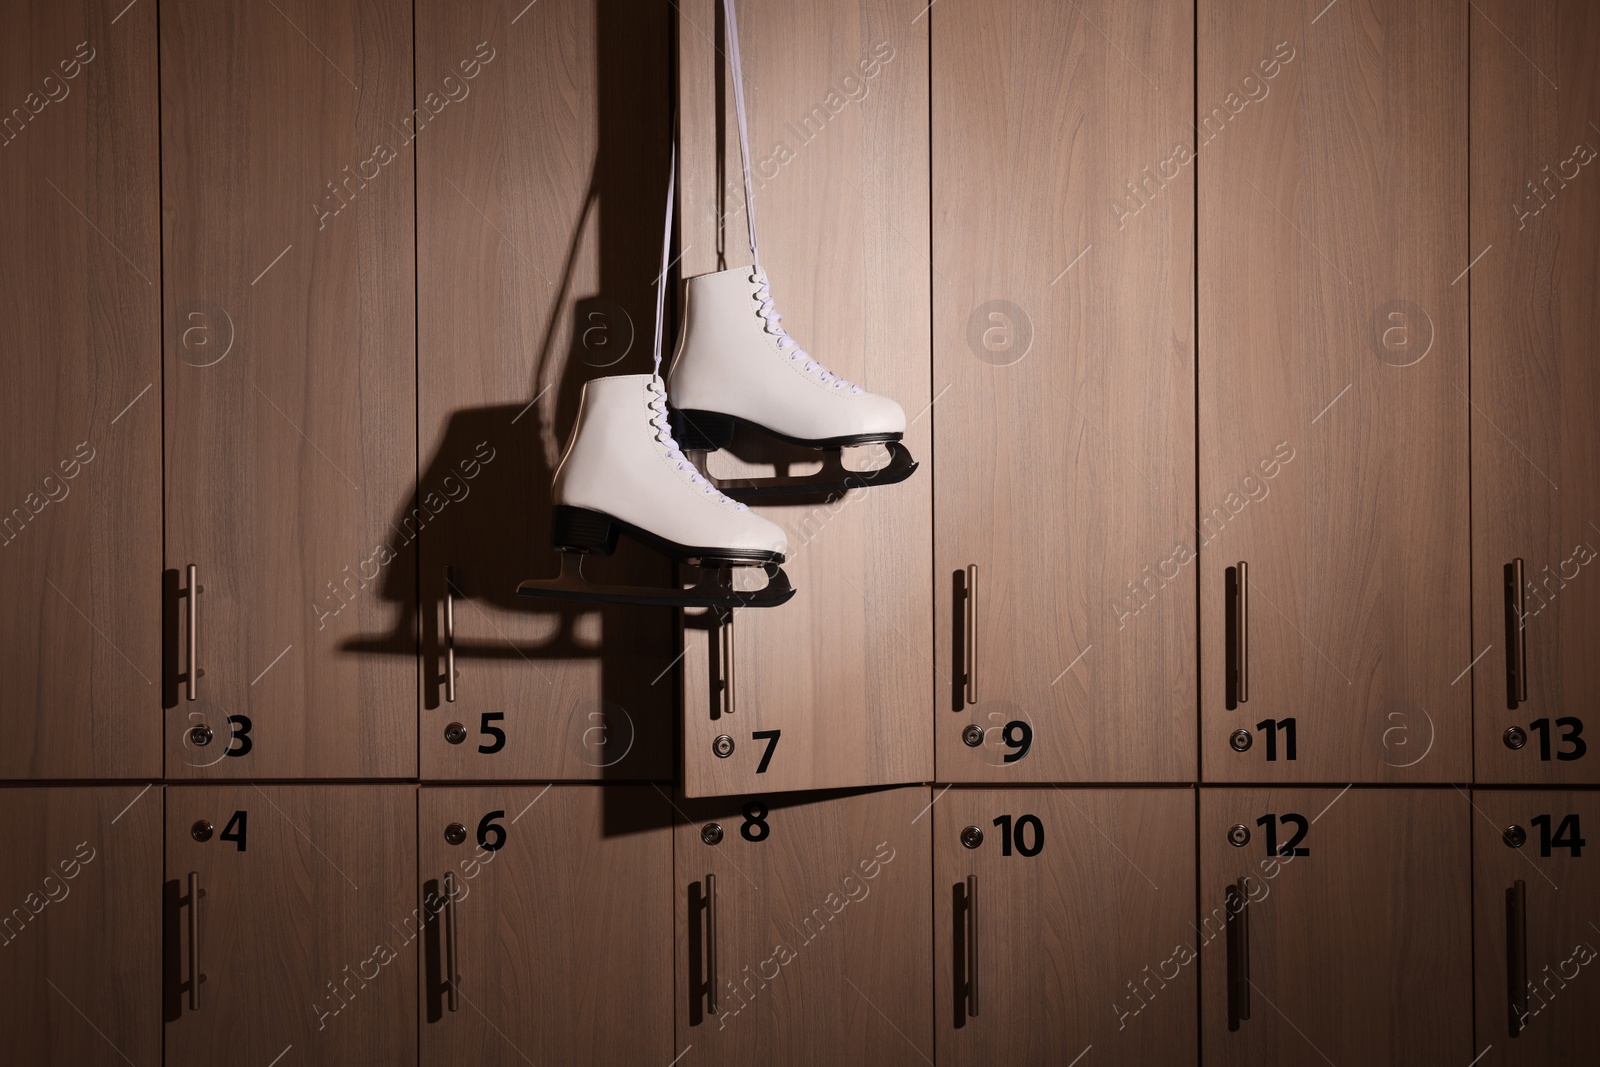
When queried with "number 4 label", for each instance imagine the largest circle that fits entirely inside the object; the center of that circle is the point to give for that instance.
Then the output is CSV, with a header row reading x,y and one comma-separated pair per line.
x,y
1567,835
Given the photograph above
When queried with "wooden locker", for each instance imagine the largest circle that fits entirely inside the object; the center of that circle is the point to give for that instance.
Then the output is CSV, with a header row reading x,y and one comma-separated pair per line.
x,y
555,907
309,928
838,109
1535,386
1535,935
1064,901
289,297
80,260
540,194
1064,315
802,929
1333,415
1333,926
81,931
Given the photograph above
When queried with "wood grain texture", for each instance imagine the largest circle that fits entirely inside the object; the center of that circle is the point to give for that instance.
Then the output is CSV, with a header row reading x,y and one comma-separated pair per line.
x,y
1535,384
1102,914
289,297
80,520
1332,225
80,933
308,936
1358,951
540,199
822,927
1563,941
844,668
565,933
1064,358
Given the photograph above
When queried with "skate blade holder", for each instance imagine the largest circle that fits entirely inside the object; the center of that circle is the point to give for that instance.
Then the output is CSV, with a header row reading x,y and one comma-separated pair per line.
x,y
713,586
710,431
833,480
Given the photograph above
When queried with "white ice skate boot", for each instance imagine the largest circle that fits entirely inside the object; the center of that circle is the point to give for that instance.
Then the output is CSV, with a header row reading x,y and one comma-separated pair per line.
x,y
623,474
736,365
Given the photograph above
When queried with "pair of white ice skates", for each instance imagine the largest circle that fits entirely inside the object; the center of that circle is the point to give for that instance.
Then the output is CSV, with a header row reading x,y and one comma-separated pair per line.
x,y
626,472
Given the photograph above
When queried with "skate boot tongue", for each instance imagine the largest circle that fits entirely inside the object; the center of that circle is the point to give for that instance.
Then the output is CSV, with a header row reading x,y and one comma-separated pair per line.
x,y
663,425
786,344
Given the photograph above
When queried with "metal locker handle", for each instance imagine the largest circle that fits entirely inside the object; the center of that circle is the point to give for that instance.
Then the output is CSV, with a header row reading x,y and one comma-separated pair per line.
x,y
452,961
1241,637
449,640
191,673
711,944
969,633
1517,954
195,977
1517,647
725,646
972,945
1237,899
1244,943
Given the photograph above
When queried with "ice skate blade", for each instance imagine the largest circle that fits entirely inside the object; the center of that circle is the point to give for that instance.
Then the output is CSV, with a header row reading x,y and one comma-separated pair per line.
x,y
708,431
834,479
713,588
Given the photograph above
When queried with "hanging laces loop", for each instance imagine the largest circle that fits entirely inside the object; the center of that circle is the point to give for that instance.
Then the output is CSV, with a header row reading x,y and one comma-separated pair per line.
x,y
666,246
736,69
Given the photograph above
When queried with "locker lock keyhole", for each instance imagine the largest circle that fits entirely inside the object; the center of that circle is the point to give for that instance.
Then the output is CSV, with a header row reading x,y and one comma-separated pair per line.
x,y
455,833
711,833
1515,737
200,736
1240,740
201,830
972,736
972,837
455,733
1514,836
1238,835
722,747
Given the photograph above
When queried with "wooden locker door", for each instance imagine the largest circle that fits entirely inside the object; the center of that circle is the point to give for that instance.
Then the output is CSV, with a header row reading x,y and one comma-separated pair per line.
x,y
1550,900
562,925
1333,409
289,298
845,669
813,936
1080,897
1065,364
80,524
81,939
1353,950
1535,387
308,924
540,196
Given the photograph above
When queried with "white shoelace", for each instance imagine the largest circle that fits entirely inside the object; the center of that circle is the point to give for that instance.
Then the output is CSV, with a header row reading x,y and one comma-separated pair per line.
x,y
768,312
663,425
658,388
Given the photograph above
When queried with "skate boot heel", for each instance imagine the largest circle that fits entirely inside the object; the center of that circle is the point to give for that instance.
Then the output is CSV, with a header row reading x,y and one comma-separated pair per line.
x,y
704,431
582,530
